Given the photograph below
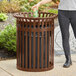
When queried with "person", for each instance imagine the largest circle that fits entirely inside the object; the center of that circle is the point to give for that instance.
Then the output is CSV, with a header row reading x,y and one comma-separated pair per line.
x,y
66,15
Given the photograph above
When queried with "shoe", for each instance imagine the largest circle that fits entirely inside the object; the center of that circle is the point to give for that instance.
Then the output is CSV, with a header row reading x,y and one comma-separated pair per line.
x,y
67,64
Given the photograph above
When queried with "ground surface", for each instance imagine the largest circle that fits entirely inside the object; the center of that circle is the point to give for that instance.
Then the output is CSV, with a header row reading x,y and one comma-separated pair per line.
x,y
8,68
10,20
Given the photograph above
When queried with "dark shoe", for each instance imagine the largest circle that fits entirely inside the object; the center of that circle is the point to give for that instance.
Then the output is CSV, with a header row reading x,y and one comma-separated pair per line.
x,y
67,64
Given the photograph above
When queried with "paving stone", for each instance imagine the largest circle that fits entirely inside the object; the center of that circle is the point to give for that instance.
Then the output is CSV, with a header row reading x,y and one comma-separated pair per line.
x,y
3,73
10,66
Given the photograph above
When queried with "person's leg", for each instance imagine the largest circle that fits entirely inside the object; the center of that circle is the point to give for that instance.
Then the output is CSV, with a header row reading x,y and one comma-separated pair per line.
x,y
73,21
64,27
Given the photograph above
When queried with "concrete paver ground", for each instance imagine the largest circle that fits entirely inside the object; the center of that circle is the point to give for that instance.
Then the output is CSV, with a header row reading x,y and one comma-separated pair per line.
x,y
3,73
8,68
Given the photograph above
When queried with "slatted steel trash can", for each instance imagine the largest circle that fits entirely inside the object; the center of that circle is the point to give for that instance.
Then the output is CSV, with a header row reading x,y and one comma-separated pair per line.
x,y
35,41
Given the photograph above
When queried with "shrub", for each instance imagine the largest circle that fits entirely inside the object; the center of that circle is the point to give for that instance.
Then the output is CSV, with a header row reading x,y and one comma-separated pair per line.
x,y
8,38
55,11
3,17
27,5
12,6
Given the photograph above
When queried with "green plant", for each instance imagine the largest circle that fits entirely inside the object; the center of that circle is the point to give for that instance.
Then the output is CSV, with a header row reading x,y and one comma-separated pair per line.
x,y
3,17
12,6
55,11
8,38
26,7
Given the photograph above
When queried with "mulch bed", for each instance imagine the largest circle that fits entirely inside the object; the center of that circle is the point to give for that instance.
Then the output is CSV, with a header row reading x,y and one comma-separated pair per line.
x,y
5,54
10,20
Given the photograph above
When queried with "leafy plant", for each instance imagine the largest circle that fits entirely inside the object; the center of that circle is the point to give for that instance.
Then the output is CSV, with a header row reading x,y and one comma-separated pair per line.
x,y
8,38
55,11
26,7
3,17
12,6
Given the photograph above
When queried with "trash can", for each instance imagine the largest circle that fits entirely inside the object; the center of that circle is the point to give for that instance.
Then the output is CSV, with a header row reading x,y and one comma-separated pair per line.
x,y
35,41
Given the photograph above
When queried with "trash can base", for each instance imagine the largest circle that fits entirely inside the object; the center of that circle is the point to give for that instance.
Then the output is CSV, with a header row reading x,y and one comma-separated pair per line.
x,y
35,70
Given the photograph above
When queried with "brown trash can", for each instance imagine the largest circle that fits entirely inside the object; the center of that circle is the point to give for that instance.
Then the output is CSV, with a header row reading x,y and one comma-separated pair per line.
x,y
35,41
